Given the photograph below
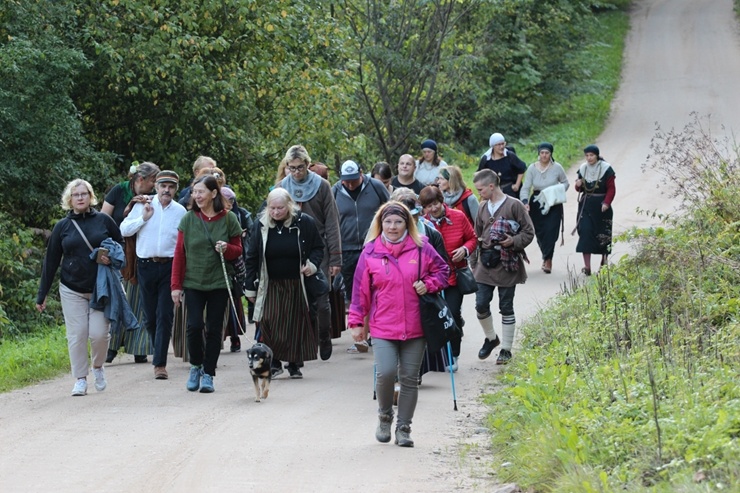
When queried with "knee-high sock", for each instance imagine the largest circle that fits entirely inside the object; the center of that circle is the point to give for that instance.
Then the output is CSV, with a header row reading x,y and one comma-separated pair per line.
x,y
487,324
508,326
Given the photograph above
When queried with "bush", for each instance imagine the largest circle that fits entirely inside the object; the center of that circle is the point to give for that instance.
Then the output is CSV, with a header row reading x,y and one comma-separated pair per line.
x,y
21,259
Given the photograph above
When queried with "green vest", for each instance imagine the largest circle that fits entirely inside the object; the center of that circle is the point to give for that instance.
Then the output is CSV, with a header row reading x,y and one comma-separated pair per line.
x,y
203,269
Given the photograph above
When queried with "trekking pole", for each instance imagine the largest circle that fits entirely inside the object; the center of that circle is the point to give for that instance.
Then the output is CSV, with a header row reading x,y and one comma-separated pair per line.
x,y
452,374
228,288
375,382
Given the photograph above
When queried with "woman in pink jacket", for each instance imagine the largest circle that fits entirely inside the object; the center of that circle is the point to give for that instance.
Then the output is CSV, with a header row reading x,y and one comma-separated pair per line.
x,y
387,287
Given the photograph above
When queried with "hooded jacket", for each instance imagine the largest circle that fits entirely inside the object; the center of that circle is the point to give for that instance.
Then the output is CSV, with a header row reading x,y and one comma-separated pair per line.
x,y
383,288
355,216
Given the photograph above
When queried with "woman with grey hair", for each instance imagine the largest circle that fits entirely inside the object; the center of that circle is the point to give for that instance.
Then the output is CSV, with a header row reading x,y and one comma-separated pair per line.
x,y
78,277
284,248
119,201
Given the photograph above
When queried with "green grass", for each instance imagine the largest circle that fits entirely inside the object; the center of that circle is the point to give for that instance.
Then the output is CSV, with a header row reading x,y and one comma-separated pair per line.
x,y
31,359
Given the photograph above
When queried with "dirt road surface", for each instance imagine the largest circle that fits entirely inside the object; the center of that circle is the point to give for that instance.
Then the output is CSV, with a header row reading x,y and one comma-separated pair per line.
x,y
317,434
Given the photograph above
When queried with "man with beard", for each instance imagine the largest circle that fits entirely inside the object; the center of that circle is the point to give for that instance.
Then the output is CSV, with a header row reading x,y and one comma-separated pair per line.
x,y
155,222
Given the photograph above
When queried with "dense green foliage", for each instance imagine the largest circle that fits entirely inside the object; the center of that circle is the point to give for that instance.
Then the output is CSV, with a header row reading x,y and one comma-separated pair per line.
x,y
632,382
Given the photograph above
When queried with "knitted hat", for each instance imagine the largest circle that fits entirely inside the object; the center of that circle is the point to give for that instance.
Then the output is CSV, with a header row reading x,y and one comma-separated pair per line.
x,y
429,144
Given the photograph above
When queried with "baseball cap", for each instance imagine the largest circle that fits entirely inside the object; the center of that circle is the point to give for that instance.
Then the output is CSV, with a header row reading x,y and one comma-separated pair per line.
x,y
350,171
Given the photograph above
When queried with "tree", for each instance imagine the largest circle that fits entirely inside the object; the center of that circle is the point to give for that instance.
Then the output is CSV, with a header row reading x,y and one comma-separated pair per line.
x,y
40,132
240,80
400,51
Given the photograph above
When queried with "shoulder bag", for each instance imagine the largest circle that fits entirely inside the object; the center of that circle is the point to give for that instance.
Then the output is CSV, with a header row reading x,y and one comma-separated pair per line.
x,y
466,283
436,318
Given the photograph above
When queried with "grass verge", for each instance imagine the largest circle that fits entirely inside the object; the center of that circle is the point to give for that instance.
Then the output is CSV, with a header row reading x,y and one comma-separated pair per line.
x,y
31,359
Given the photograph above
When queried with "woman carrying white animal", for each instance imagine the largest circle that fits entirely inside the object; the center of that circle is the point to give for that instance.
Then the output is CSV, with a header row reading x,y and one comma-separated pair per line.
x,y
542,174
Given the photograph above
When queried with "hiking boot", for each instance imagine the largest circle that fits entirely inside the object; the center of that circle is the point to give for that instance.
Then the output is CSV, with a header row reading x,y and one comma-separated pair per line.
x,y
403,436
488,347
100,383
112,353
294,371
503,357
325,348
383,431
194,379
206,384
140,358
80,387
160,373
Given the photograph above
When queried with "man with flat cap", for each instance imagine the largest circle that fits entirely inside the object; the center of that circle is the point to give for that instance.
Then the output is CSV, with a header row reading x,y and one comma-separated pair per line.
x,y
155,224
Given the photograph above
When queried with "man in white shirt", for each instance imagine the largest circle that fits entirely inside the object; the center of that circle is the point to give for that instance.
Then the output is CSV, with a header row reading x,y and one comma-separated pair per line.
x,y
155,225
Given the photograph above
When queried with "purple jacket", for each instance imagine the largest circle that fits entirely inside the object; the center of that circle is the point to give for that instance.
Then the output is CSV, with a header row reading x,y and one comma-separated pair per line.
x,y
383,288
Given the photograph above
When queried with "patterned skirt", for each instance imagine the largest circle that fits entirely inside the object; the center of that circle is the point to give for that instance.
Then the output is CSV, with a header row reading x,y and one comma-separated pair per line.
x,y
286,325
136,342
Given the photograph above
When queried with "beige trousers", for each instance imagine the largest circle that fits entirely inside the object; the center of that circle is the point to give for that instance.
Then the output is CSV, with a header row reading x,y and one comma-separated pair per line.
x,y
83,323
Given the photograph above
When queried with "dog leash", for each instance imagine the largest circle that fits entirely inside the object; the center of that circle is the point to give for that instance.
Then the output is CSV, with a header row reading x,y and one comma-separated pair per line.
x,y
231,296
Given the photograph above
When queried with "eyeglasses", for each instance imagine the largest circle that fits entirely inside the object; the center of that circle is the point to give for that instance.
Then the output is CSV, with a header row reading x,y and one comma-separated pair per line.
x,y
82,195
293,169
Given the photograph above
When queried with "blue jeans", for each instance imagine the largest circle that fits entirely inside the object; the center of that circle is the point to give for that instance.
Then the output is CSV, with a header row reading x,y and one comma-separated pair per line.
x,y
484,296
154,282
214,304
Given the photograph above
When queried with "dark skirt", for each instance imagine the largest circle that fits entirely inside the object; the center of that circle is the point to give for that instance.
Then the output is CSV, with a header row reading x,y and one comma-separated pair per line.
x,y
286,325
546,227
137,341
594,226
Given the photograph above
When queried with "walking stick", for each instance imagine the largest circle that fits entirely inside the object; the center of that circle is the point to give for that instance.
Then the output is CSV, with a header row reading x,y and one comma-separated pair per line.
x,y
452,375
231,296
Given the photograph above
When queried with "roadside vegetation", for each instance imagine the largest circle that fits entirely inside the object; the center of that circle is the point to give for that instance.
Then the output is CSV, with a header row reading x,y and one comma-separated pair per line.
x,y
631,382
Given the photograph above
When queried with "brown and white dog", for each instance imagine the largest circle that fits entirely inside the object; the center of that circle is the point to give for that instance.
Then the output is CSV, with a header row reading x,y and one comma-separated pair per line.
x,y
260,363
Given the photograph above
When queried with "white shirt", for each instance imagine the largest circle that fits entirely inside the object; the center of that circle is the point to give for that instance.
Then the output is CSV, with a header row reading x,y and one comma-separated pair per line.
x,y
157,236
427,173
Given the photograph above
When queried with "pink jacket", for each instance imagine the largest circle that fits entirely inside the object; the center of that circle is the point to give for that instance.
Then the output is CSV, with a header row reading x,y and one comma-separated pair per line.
x,y
383,288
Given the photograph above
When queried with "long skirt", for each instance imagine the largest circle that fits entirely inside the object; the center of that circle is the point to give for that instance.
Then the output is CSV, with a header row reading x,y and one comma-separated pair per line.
x,y
137,341
594,226
546,227
286,325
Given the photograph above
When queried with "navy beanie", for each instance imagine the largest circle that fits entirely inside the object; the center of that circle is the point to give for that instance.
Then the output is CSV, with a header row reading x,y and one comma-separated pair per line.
x,y
429,144
545,145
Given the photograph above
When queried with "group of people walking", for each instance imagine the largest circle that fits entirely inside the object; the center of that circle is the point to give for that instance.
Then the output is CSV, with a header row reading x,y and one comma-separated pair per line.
x,y
389,238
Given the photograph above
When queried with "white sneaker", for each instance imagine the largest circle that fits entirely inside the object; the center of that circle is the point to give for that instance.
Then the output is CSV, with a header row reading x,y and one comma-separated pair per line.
x,y
100,383
80,387
454,365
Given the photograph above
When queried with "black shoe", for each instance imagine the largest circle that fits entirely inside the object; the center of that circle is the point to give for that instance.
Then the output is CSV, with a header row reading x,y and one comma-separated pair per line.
x,y
111,356
488,347
294,371
236,349
503,357
140,358
325,348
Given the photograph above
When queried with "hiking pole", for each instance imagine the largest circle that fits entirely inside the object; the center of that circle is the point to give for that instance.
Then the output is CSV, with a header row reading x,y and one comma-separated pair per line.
x,y
375,382
452,374
228,288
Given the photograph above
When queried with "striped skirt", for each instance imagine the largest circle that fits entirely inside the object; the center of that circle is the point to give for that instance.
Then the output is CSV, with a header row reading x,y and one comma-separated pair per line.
x,y
286,325
136,341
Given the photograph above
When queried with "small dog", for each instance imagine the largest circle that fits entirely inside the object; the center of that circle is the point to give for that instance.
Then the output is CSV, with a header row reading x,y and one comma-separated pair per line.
x,y
260,363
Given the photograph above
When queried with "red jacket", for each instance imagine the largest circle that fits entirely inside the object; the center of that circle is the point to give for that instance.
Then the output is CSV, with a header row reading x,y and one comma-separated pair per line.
x,y
456,232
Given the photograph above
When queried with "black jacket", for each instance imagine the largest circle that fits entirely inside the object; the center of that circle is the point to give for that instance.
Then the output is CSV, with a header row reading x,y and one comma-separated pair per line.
x,y
68,248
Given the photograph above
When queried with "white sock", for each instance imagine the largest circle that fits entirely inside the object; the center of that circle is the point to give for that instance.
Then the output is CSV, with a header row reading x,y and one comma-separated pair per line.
x,y
508,327
487,325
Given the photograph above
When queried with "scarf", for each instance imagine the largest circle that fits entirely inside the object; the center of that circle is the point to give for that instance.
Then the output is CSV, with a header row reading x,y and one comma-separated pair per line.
x,y
594,173
451,198
439,220
500,229
395,247
128,190
302,191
